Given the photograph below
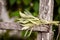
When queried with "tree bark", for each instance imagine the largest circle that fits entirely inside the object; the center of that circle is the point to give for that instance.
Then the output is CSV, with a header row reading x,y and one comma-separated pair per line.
x,y
46,13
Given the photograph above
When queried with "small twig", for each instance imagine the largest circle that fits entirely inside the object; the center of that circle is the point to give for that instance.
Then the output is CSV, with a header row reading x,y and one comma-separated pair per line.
x,y
58,31
57,36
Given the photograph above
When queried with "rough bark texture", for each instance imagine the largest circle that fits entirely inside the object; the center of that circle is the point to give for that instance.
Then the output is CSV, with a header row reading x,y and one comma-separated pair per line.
x,y
0,11
46,13
17,26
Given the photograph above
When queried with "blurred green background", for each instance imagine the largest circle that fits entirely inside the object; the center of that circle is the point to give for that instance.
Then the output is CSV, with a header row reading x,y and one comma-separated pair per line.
x,y
13,6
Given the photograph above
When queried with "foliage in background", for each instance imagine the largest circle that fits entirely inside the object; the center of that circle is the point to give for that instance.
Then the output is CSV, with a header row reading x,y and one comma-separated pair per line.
x,y
33,6
14,6
56,16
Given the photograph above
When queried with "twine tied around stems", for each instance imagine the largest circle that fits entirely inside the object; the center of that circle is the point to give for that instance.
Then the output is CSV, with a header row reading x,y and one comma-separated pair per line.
x,y
27,20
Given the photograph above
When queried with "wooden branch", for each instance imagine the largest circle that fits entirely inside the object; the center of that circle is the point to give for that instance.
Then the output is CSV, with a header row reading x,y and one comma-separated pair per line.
x,y
16,26
46,13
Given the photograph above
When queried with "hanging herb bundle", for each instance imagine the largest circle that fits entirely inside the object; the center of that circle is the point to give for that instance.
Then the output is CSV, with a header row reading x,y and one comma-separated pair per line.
x,y
27,20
